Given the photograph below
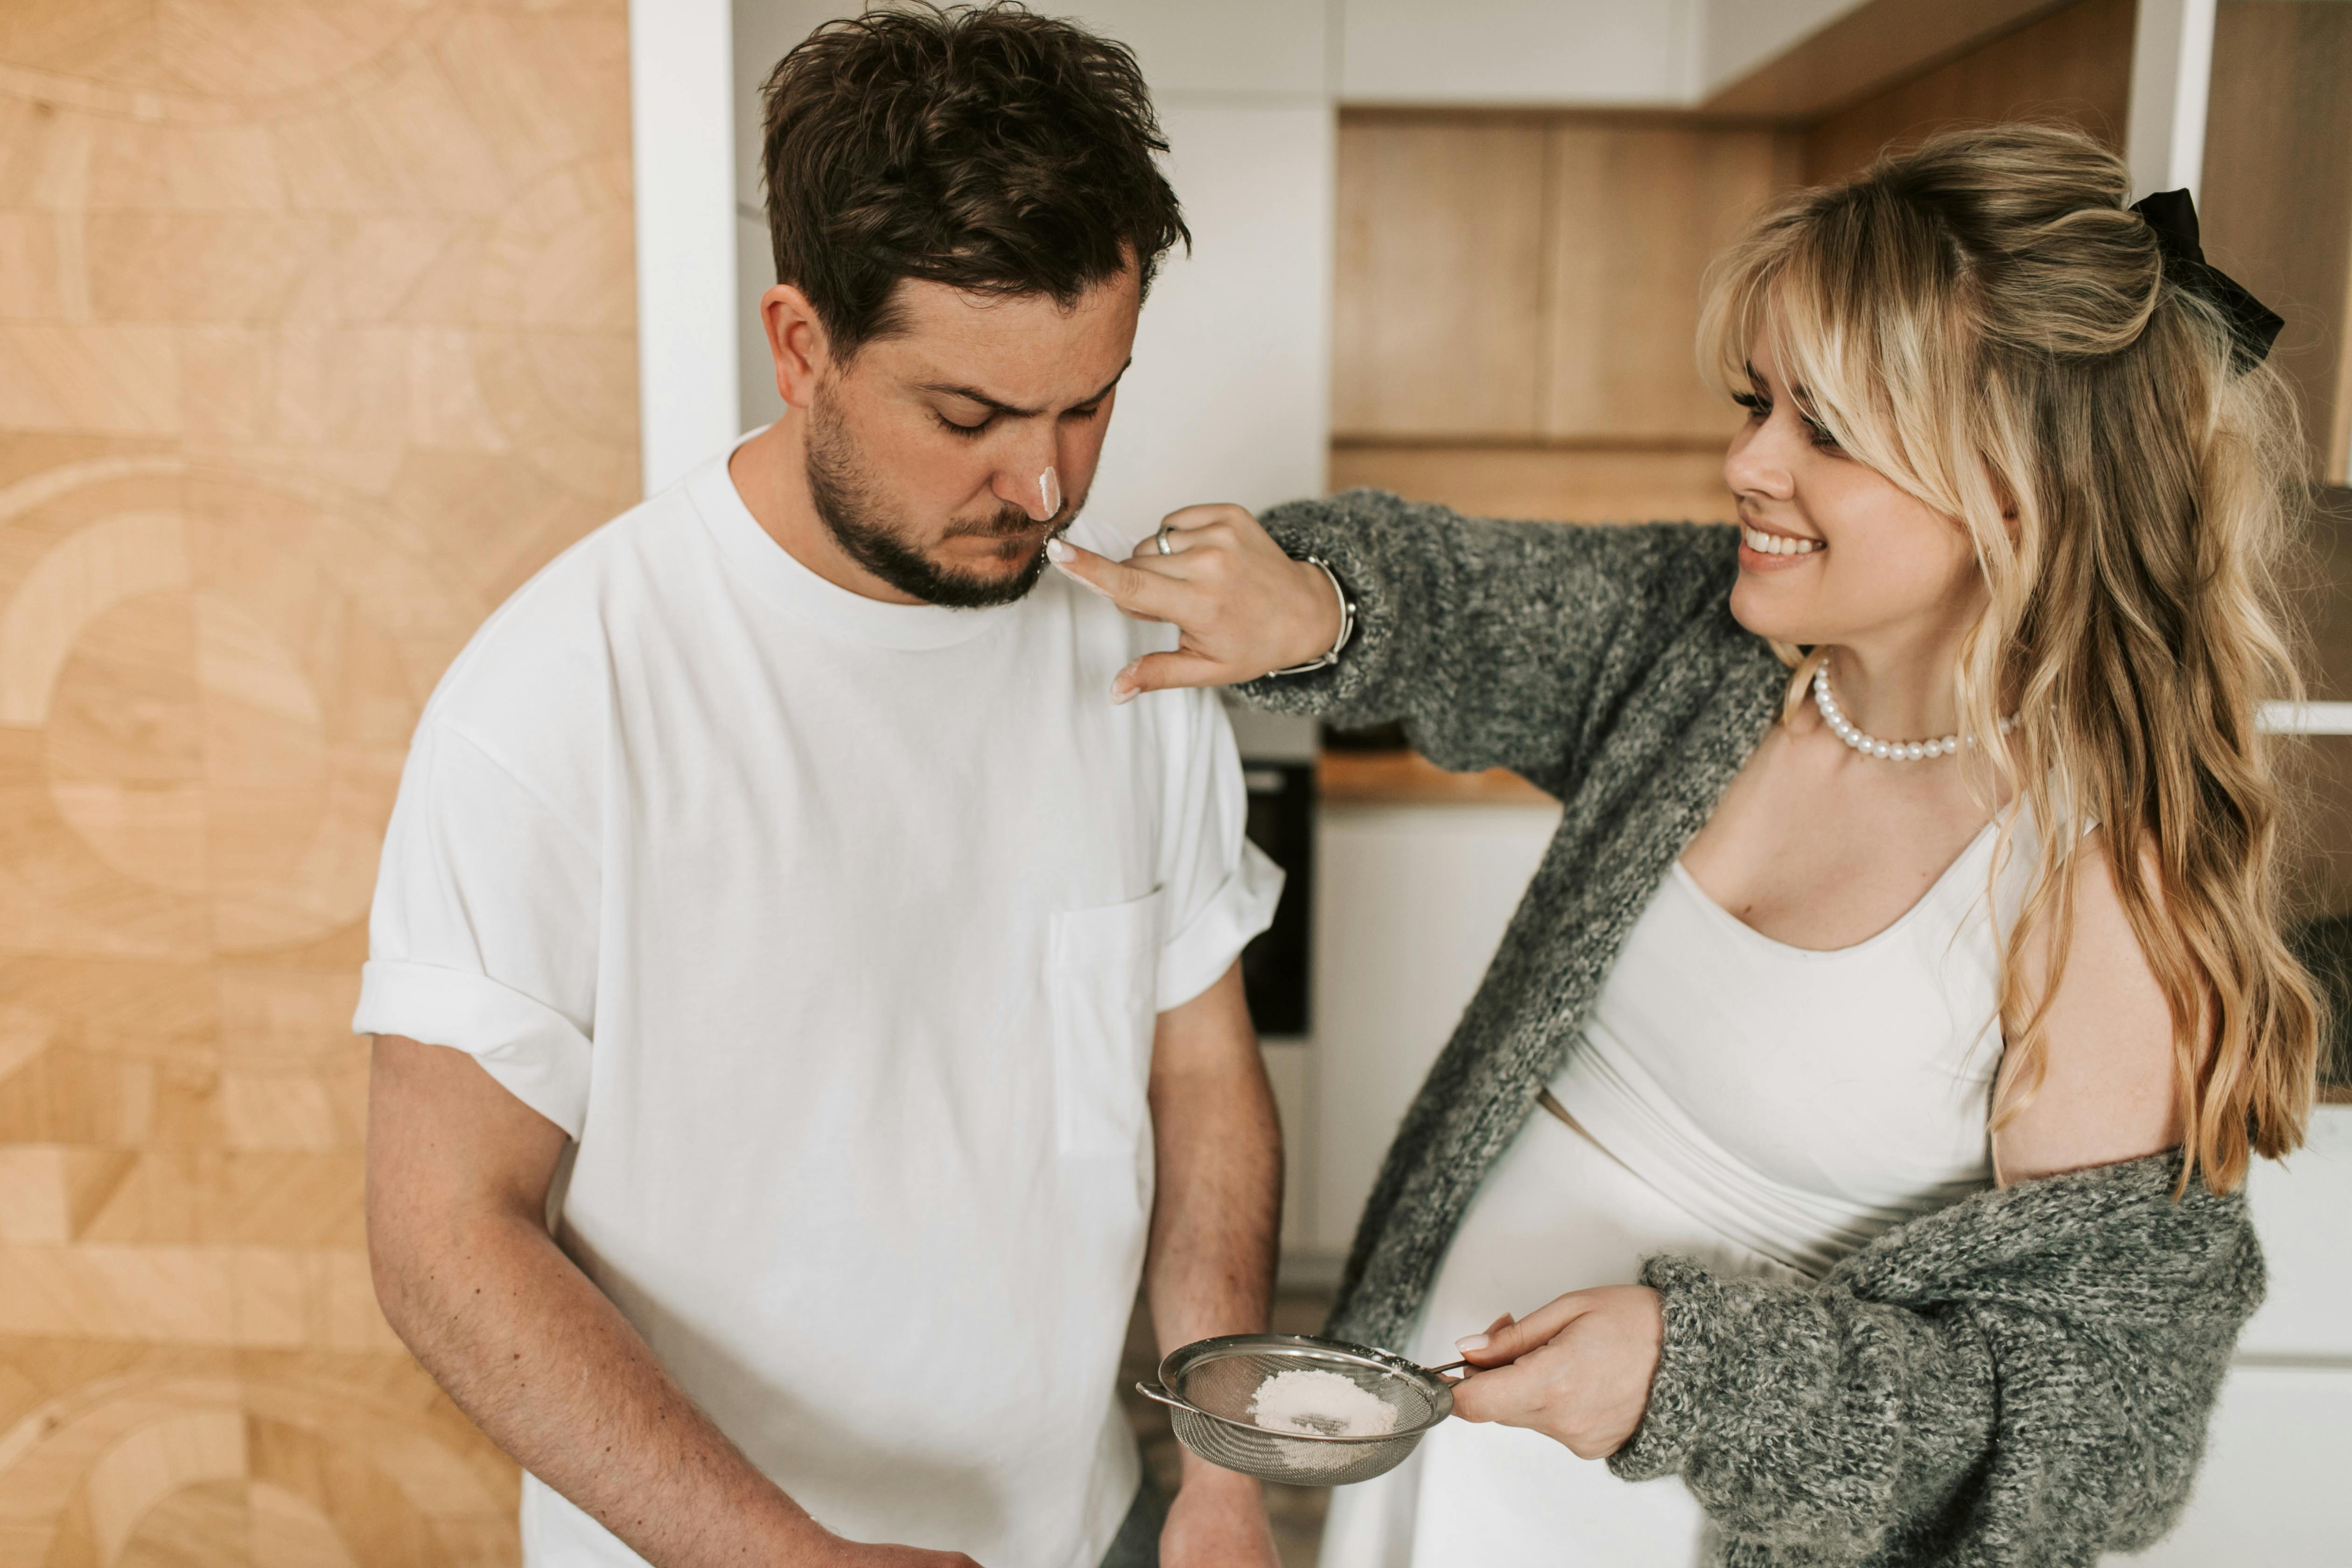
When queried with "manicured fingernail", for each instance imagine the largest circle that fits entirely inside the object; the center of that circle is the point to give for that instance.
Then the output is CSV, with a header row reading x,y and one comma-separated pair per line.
x,y
1123,689
1471,1344
1057,550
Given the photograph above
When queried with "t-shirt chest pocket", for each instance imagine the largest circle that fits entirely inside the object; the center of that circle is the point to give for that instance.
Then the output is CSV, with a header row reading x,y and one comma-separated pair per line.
x,y
1101,972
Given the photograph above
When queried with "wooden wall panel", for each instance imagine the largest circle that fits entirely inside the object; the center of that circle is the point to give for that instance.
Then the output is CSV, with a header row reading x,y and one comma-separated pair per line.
x,y
315,337
2072,66
2276,203
1637,214
1440,275
1547,483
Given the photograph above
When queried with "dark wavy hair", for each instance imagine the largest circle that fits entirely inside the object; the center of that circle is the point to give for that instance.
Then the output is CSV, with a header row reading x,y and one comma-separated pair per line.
x,y
982,147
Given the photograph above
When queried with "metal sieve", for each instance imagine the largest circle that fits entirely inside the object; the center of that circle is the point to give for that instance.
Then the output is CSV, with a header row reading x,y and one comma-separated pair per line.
x,y
1208,1387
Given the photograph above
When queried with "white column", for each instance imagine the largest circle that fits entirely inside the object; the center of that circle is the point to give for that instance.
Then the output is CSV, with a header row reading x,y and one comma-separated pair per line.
x,y
682,138
2172,70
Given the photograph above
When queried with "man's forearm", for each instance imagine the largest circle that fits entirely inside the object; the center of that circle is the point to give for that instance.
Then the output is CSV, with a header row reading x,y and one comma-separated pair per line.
x,y
1210,1267
548,1367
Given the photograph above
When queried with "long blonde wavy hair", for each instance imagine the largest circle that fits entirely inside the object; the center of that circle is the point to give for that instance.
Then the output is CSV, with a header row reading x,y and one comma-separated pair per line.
x,y
1982,319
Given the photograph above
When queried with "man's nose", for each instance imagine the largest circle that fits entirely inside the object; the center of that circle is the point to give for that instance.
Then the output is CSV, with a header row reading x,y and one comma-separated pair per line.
x,y
1033,484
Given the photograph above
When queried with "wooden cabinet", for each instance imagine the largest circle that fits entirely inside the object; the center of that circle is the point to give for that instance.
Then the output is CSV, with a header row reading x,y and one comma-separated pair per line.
x,y
1517,293
1438,293
2073,67
1517,303
1533,279
2276,206
1634,215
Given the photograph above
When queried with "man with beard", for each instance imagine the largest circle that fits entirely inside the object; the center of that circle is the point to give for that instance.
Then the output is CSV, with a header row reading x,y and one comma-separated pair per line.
x,y
772,867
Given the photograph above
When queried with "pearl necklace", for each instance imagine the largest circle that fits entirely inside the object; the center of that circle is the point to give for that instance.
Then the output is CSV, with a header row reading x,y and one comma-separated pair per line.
x,y
1870,745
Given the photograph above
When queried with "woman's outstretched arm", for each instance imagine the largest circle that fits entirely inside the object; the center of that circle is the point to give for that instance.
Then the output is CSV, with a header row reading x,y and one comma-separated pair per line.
x,y
1498,644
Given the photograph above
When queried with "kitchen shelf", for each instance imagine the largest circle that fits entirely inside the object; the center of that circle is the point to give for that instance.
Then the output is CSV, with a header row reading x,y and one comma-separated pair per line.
x,y
1408,778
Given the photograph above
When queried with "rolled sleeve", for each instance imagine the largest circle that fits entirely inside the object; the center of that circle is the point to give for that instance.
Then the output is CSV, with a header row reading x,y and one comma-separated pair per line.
x,y
483,934
1191,959
1221,889
534,1052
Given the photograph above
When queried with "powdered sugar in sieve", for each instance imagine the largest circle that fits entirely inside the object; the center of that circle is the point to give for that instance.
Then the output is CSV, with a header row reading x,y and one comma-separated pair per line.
x,y
1320,1404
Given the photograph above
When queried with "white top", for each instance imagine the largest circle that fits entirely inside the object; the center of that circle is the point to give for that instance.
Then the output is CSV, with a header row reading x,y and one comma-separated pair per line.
x,y
1799,1102
832,930
1762,1108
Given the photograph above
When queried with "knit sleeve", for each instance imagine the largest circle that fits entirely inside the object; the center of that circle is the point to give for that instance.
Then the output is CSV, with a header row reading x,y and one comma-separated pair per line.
x,y
1807,1420
1498,644
2030,1373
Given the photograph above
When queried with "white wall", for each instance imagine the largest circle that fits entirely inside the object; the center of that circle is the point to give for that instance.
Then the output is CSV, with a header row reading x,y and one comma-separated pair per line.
x,y
1738,36
1519,51
1229,398
1219,48
763,30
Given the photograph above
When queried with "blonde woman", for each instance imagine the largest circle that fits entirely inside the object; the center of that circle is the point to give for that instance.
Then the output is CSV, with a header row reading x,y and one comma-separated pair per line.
x,y
1859,1105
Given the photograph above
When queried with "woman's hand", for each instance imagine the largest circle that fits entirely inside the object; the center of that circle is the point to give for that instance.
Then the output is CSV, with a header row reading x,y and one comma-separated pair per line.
x,y
1578,1370
1241,606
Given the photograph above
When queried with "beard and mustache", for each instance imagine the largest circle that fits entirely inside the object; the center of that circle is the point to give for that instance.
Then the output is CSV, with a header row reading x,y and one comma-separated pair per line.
x,y
850,503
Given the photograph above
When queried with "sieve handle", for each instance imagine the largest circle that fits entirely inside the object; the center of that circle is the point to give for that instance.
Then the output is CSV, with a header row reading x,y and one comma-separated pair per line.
x,y
1153,1391
1451,1366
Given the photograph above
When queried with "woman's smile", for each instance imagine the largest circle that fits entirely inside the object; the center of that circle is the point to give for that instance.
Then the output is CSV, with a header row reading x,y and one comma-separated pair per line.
x,y
1763,550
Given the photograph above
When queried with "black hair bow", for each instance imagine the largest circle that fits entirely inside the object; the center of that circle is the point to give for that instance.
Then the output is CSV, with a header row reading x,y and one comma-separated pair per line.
x,y
2253,325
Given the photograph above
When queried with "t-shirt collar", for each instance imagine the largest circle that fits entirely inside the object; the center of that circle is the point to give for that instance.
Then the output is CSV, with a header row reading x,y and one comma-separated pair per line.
x,y
755,553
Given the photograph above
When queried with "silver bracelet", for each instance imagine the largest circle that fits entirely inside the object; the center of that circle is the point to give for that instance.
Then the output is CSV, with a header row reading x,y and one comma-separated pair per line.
x,y
1347,622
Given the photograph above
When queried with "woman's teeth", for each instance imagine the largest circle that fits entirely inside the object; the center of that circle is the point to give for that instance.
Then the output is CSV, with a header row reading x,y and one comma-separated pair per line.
x,y
1765,543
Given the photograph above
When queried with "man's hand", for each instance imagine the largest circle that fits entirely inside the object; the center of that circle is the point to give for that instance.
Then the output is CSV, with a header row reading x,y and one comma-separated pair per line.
x,y
1218,1521
1578,1370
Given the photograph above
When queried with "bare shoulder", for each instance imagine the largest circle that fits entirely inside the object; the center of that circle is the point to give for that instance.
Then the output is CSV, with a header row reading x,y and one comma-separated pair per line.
x,y
2107,1090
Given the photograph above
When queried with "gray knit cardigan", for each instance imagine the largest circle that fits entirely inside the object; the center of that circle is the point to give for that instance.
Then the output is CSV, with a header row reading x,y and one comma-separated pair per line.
x,y
2022,1378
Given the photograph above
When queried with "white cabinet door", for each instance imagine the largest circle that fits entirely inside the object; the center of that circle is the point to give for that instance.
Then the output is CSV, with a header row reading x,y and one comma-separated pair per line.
x,y
1410,905
2302,1211
2271,1491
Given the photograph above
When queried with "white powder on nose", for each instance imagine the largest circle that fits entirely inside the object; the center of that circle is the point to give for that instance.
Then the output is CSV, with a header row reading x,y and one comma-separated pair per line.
x,y
1320,1404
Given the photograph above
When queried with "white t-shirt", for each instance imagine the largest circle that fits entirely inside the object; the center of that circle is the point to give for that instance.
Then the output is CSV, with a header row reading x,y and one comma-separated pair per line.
x,y
832,931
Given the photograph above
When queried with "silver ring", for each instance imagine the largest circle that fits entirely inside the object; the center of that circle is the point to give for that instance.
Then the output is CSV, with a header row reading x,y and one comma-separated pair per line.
x,y
1160,539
